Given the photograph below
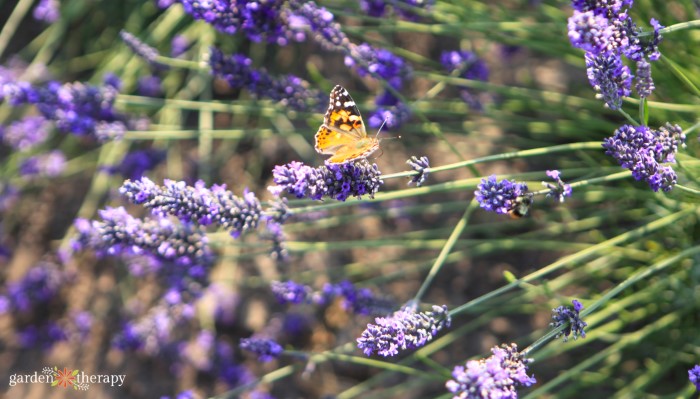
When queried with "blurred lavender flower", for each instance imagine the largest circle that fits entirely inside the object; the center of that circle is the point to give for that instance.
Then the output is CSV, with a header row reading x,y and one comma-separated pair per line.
x,y
44,335
358,300
178,45
610,78
258,20
47,11
404,8
643,83
378,62
467,64
155,333
110,79
307,15
560,190
136,163
500,197
564,315
643,150
420,165
694,376
291,292
275,215
494,377
77,108
289,90
26,133
390,112
148,53
34,290
404,329
8,195
266,349
338,181
149,86
120,233
50,164
197,203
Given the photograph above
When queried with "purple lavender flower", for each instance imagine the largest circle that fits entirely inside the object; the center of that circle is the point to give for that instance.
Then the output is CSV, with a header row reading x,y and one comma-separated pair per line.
x,y
494,377
291,292
694,376
357,300
643,150
467,64
27,133
258,20
609,8
378,62
155,332
77,108
560,190
8,196
390,113
564,315
289,90
47,11
610,78
179,45
643,83
44,335
404,329
50,164
500,197
121,233
197,203
404,8
136,163
338,181
420,165
307,15
274,216
641,47
34,290
593,33
149,86
148,53
266,349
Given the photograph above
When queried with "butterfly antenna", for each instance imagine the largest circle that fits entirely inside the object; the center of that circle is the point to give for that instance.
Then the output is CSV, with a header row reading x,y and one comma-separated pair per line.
x,y
380,129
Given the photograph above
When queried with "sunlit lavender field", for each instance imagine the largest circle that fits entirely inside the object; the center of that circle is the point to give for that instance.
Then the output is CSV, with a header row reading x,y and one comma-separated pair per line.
x,y
349,199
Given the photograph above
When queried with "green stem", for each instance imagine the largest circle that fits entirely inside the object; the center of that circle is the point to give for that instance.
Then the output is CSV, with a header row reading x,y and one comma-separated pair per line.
x,y
449,244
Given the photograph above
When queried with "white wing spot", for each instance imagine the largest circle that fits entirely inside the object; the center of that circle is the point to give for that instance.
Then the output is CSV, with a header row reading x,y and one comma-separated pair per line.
x,y
337,103
349,104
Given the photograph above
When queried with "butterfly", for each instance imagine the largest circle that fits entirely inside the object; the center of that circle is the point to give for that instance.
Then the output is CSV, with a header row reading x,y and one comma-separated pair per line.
x,y
343,133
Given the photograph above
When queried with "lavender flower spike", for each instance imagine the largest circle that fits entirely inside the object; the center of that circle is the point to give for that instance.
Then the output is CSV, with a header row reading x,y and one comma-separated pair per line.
x,y
420,165
569,317
694,376
266,349
404,329
494,377
338,181
141,49
500,197
198,204
558,190
610,78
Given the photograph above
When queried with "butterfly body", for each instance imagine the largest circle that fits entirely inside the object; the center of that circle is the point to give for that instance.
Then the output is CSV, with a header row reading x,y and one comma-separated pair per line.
x,y
343,133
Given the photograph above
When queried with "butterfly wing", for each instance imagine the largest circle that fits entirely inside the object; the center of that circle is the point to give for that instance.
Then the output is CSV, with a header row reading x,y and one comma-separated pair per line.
x,y
343,132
